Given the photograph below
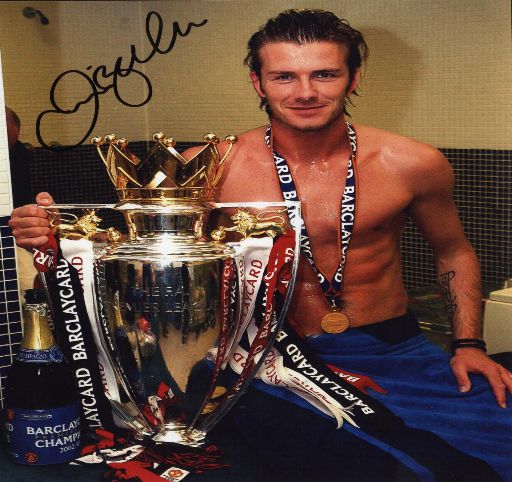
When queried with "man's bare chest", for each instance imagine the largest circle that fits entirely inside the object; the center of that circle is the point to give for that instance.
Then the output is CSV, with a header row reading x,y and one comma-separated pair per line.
x,y
381,197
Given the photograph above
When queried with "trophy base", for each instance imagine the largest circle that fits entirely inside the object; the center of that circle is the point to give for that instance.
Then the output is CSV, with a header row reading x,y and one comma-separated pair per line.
x,y
172,432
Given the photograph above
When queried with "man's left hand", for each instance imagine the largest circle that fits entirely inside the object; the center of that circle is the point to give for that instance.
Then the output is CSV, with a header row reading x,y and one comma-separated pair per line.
x,y
472,360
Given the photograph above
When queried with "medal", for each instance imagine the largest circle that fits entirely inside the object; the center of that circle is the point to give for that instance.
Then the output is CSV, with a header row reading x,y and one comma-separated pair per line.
x,y
335,322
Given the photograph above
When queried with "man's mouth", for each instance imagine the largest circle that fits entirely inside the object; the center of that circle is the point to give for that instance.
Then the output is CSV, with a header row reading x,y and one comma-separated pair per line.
x,y
305,107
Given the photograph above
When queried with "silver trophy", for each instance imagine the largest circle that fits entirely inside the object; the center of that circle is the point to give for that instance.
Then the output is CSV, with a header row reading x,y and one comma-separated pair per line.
x,y
178,303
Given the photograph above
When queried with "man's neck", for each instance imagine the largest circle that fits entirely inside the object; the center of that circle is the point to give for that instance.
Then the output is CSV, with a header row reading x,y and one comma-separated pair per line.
x,y
309,146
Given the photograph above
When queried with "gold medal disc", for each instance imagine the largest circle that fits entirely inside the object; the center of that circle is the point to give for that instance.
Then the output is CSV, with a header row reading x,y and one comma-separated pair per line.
x,y
335,322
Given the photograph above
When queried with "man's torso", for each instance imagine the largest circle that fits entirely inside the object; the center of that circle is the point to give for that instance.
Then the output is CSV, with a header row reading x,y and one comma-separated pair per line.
x,y
373,290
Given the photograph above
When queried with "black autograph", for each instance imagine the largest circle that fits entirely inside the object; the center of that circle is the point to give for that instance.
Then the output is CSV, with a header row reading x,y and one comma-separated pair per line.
x,y
101,80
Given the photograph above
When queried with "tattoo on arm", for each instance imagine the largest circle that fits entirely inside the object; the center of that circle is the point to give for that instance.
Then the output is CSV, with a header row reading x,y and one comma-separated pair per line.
x,y
449,299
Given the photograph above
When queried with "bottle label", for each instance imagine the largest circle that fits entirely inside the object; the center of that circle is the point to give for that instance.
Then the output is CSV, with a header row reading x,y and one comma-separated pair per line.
x,y
43,437
53,354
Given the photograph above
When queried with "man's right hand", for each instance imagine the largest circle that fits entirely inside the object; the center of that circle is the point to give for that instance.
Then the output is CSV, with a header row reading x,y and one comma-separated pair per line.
x,y
30,224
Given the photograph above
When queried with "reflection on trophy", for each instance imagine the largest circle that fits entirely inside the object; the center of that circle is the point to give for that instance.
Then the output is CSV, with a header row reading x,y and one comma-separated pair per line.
x,y
173,307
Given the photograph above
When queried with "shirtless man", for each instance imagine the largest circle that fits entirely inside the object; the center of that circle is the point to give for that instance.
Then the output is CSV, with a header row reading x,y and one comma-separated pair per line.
x,y
305,87
304,71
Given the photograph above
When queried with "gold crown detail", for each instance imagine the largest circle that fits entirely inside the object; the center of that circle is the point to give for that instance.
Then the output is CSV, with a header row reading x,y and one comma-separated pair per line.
x,y
162,163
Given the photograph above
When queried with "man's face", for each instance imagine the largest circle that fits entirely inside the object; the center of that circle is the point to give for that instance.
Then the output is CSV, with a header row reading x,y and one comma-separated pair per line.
x,y
306,85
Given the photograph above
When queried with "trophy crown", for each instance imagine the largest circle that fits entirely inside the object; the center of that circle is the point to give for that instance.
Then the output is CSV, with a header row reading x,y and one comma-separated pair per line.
x,y
163,166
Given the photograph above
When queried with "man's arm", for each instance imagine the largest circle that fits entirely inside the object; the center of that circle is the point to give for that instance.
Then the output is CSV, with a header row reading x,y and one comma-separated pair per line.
x,y
435,214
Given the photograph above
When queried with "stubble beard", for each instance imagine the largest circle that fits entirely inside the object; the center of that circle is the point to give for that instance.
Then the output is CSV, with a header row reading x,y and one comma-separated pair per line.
x,y
307,128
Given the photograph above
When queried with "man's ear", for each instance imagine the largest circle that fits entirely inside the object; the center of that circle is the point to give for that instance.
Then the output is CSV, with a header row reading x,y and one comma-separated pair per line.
x,y
256,83
355,82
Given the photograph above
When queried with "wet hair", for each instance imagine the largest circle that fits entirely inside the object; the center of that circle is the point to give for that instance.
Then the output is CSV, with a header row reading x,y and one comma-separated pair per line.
x,y
301,26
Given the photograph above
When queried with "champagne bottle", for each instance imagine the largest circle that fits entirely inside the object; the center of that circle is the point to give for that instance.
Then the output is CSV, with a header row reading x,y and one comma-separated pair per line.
x,y
42,409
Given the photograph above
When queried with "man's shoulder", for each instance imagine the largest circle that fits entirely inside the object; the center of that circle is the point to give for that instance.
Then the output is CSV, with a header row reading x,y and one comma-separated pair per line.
x,y
249,144
252,137
396,147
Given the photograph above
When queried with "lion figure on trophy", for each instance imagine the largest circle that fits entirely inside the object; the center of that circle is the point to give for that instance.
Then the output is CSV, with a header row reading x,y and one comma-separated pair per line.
x,y
71,226
249,225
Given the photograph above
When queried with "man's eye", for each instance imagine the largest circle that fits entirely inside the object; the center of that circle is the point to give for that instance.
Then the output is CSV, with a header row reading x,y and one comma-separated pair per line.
x,y
283,77
325,75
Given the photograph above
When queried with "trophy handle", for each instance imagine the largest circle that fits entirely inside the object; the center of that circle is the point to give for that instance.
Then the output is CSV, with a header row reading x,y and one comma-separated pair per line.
x,y
78,206
249,225
84,227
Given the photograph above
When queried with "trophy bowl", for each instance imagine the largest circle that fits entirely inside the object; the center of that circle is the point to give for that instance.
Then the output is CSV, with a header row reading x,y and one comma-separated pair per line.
x,y
182,318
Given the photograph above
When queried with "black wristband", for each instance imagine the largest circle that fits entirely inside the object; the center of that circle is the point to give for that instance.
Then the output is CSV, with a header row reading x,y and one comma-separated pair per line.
x,y
468,343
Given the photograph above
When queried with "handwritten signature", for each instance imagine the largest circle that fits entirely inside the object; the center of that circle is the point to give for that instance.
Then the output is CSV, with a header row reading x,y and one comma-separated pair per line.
x,y
101,80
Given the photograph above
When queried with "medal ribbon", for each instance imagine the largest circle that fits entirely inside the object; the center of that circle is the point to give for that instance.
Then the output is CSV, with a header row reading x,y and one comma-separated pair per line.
x,y
331,289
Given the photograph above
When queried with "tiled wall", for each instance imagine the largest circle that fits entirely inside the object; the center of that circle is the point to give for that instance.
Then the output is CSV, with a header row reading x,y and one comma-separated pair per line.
x,y
483,193
10,318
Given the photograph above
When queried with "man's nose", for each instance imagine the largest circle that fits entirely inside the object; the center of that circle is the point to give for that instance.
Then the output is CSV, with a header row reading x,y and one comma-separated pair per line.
x,y
305,90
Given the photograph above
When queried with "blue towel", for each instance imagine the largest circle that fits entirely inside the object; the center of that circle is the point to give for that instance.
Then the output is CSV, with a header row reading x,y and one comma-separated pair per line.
x,y
447,435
